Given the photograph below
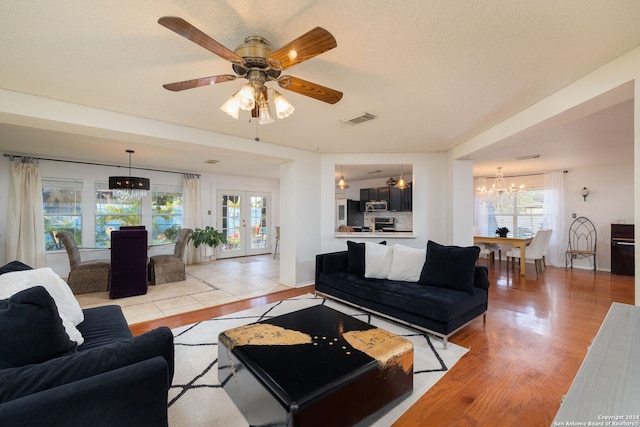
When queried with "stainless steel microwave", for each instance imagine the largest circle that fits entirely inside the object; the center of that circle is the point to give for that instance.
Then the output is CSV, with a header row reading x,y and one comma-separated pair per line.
x,y
376,206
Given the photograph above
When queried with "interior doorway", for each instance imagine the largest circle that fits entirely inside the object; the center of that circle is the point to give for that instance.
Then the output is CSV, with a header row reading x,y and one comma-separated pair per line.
x,y
245,218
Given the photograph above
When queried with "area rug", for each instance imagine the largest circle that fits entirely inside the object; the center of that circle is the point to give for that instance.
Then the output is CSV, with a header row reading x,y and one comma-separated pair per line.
x,y
196,398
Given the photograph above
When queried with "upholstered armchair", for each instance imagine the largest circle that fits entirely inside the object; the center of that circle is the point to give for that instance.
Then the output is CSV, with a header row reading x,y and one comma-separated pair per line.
x,y
170,268
84,276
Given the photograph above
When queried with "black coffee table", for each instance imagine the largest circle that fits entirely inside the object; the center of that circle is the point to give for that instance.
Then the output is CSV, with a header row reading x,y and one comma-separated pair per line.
x,y
314,367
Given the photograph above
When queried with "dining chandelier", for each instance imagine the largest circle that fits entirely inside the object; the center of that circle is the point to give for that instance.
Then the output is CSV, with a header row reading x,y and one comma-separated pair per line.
x,y
254,97
498,189
129,187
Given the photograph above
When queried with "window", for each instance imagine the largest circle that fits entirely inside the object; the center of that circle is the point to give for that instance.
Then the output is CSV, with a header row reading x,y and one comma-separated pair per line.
x,y
166,214
522,213
112,213
62,204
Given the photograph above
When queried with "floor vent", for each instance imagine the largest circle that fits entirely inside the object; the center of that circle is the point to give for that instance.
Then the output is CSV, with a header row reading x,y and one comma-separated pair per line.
x,y
360,118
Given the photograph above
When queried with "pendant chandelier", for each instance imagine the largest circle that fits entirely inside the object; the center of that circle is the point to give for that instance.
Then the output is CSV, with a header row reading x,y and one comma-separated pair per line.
x,y
342,183
129,187
401,182
498,189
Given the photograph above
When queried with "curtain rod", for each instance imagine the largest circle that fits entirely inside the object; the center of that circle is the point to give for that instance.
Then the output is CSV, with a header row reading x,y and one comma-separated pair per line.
x,y
12,156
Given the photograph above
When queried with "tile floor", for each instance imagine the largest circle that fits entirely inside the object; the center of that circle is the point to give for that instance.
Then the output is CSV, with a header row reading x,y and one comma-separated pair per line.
x,y
208,284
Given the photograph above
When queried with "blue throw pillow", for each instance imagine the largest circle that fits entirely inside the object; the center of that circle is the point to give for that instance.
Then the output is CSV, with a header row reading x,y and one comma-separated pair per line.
x,y
450,267
31,330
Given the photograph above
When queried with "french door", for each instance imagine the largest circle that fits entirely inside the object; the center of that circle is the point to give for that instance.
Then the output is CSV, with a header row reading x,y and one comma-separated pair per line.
x,y
244,217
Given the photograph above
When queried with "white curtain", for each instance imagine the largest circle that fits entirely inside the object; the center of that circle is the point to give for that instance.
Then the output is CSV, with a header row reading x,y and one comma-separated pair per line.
x,y
481,213
191,212
25,218
554,212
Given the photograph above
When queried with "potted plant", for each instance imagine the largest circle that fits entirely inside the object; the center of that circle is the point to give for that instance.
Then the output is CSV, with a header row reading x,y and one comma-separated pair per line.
x,y
502,231
208,236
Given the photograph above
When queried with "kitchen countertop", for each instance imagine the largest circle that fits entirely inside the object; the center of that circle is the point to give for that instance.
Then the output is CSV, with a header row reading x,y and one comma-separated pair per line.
x,y
378,234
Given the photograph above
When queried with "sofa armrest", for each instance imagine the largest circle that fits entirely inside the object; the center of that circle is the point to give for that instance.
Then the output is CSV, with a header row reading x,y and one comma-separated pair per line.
x,y
332,262
131,395
481,277
20,382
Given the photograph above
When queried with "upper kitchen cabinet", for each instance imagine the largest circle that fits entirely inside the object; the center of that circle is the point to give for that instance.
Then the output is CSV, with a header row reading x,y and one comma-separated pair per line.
x,y
397,199
400,199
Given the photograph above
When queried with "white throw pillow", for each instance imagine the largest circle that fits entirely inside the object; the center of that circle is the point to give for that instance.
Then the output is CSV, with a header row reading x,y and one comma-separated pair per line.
x,y
407,263
68,308
377,260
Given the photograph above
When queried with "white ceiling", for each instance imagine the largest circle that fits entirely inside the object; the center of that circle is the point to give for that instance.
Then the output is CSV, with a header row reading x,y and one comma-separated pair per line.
x,y
435,73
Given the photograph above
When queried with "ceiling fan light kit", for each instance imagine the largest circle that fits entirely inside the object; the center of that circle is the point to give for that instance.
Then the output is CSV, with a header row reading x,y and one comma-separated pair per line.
x,y
255,61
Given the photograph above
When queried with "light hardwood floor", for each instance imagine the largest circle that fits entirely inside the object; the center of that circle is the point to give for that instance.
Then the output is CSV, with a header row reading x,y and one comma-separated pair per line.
x,y
521,361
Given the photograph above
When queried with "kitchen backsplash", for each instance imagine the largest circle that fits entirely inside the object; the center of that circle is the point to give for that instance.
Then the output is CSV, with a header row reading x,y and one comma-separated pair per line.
x,y
404,220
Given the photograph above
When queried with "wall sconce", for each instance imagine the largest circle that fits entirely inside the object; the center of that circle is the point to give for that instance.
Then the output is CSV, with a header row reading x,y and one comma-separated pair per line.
x,y
585,193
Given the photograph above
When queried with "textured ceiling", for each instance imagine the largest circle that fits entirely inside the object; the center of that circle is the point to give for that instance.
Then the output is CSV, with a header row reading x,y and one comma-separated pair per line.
x,y
435,73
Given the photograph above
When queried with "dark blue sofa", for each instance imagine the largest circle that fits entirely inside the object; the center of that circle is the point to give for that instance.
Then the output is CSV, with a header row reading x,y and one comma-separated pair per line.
x,y
112,379
437,309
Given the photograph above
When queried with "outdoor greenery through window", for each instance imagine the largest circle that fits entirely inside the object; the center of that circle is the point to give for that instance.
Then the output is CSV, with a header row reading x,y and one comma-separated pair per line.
x,y
62,204
522,212
112,213
166,214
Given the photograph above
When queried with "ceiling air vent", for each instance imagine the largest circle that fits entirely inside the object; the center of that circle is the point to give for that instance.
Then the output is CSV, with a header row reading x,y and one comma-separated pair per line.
x,y
360,118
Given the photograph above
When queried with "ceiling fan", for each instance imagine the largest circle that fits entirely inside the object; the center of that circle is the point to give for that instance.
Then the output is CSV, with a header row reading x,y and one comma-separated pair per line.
x,y
257,62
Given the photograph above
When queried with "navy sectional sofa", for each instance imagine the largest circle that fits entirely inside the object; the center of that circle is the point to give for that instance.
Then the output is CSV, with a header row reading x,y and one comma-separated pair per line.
x,y
112,379
431,304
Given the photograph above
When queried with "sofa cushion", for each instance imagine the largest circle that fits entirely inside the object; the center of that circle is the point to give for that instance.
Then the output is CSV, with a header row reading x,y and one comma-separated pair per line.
x,y
377,260
335,262
407,263
14,266
18,382
355,260
450,267
68,306
31,330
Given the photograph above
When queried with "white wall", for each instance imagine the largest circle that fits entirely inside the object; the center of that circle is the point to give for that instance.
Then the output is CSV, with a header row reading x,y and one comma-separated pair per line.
x,y
611,196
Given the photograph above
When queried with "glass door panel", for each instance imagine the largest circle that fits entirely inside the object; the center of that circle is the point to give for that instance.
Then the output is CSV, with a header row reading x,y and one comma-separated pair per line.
x,y
244,218
259,225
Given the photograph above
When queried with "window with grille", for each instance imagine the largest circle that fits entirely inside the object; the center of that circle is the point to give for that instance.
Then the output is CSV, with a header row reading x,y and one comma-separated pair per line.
x,y
62,205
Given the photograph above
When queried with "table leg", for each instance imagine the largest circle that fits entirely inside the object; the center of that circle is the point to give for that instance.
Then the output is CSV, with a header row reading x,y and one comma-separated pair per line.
x,y
523,259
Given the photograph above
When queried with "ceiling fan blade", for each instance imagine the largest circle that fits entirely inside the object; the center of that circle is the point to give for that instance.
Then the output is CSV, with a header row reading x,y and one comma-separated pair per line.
x,y
304,47
188,31
204,81
312,90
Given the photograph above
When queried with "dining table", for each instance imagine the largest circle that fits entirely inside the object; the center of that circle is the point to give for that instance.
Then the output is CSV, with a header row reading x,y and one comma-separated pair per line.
x,y
520,241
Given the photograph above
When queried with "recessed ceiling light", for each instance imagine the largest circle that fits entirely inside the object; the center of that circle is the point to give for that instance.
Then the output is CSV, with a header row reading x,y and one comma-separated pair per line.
x,y
211,161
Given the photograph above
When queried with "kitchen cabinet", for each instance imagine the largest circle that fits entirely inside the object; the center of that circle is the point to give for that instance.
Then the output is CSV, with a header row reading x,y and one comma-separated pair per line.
x,y
367,195
400,199
407,198
383,194
397,199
